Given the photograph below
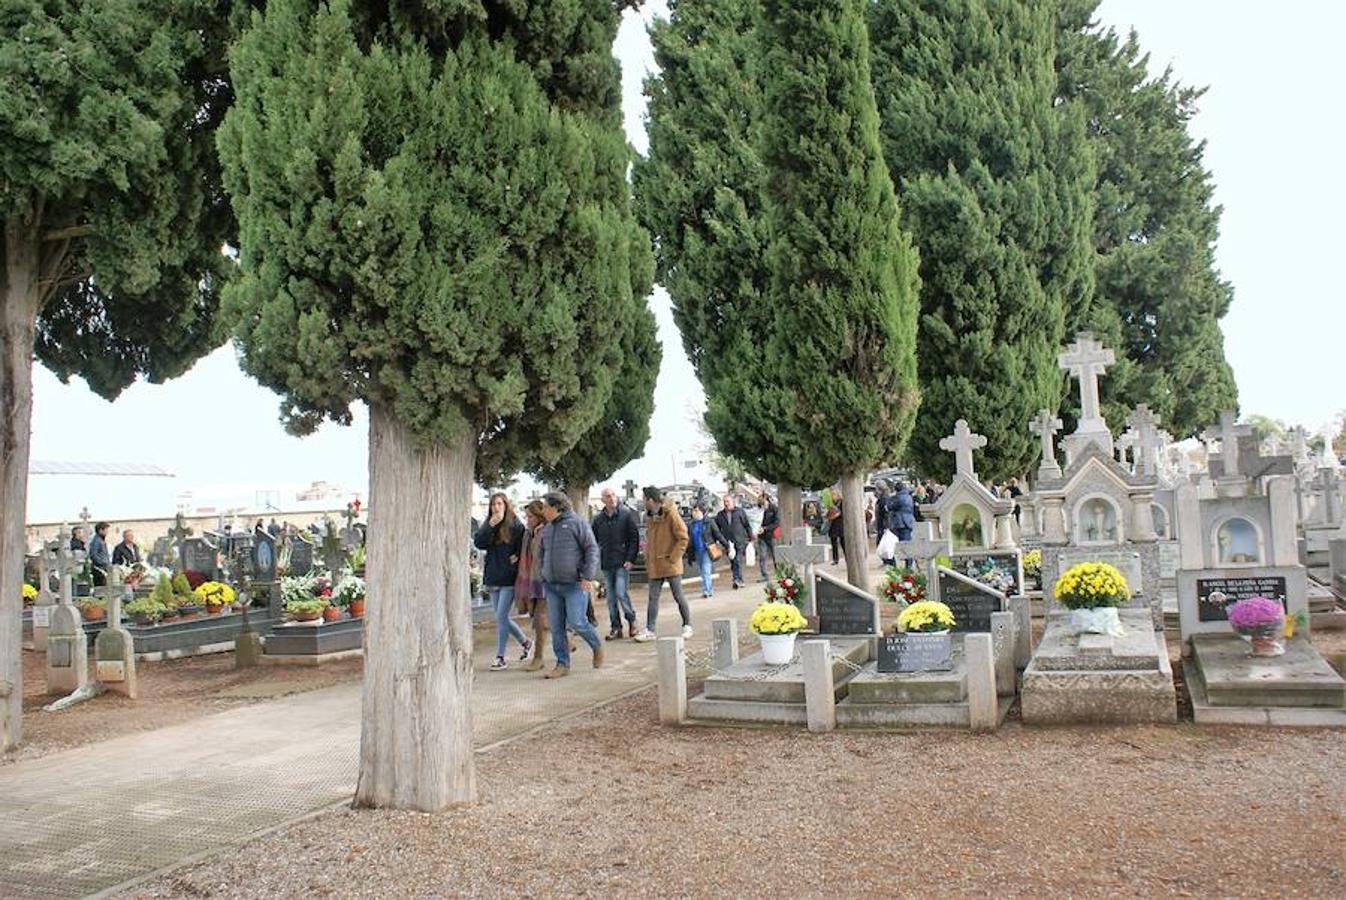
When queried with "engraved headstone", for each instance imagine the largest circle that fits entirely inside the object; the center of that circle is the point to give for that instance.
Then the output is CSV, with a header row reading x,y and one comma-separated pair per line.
x,y
970,601
915,653
843,609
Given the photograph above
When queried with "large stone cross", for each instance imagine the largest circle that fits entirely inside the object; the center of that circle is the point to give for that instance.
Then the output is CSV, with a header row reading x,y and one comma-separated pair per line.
x,y
961,443
1228,436
1127,443
1299,444
1087,359
801,551
1045,426
630,488
1149,439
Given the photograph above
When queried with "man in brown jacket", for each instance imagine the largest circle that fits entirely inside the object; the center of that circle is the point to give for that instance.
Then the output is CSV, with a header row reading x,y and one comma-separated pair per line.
x,y
665,544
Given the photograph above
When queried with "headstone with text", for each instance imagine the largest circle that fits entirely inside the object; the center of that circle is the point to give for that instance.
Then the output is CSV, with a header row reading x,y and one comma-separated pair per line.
x,y
842,608
915,653
200,555
970,601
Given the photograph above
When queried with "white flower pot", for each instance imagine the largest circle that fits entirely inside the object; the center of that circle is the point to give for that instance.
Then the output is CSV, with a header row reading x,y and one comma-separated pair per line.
x,y
777,649
1103,620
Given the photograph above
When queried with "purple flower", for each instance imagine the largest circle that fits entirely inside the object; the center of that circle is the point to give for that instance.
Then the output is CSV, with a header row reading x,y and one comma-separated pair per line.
x,y
1255,612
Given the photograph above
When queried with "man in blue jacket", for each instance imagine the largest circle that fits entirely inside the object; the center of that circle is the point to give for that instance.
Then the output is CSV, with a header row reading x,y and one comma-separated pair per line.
x,y
99,556
568,561
618,535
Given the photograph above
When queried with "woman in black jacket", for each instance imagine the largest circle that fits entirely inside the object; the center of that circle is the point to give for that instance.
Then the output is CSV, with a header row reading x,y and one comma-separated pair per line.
x,y
501,536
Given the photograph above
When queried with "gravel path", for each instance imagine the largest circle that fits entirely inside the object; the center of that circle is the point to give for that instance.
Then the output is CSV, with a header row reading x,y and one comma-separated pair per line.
x,y
612,805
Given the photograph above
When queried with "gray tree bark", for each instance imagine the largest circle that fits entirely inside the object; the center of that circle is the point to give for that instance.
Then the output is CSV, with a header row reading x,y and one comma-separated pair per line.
x,y
857,535
578,495
791,502
20,293
416,724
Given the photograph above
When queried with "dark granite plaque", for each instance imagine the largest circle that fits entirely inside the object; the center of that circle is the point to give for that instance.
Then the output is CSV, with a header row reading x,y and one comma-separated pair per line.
x,y
915,653
971,604
843,610
264,557
1214,595
1004,567
301,557
198,555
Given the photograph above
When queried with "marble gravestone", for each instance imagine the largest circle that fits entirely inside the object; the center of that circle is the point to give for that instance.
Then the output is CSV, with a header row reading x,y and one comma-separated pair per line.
x,y
844,609
971,602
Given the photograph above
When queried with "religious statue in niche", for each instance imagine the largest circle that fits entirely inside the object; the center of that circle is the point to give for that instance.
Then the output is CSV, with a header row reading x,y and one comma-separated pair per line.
x,y
1098,522
1237,540
965,527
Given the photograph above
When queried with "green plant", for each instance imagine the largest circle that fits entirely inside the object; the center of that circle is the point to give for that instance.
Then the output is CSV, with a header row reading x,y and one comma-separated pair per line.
x,y
87,603
302,607
163,594
349,590
146,606
182,591
358,557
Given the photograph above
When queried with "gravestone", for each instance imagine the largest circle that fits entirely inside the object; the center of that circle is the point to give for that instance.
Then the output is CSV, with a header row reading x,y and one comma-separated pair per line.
x,y
67,647
915,653
971,602
200,555
1215,595
1046,426
333,555
264,557
844,609
1008,563
177,534
301,556
114,650
803,554
47,565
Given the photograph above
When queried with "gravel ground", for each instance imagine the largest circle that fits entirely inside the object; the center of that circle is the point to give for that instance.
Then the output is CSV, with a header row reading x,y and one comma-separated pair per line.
x,y
171,692
641,810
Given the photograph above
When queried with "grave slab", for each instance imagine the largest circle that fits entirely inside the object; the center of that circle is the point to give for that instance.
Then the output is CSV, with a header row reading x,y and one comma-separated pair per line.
x,y
1300,678
750,680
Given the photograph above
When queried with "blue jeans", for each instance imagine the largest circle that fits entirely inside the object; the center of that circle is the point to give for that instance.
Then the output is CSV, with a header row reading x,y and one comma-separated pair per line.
x,y
736,564
616,581
766,547
502,598
567,607
707,571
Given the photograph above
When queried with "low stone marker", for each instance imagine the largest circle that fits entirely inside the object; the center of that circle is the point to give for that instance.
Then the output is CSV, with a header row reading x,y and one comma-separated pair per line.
x,y
724,643
982,702
672,681
819,688
67,647
114,651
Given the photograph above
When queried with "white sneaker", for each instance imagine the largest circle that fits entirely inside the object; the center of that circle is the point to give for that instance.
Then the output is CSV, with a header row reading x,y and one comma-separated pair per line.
x,y
645,636
686,632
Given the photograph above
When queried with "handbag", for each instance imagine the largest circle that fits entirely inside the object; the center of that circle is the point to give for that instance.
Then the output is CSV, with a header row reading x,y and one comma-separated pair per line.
x,y
714,551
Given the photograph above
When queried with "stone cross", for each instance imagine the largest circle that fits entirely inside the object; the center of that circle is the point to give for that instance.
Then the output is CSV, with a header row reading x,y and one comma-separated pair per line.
x,y
924,549
1087,359
1228,436
1127,444
630,488
1299,444
333,556
1046,426
961,443
803,554
1329,458
1149,439
85,518
350,515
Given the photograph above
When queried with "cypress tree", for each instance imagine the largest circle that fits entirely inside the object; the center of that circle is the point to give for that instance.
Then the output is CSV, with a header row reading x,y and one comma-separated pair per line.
x,y
994,184
113,220
842,285
436,221
1159,296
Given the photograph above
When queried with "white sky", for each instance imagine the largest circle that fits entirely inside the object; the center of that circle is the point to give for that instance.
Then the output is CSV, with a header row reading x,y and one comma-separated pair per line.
x,y
1269,116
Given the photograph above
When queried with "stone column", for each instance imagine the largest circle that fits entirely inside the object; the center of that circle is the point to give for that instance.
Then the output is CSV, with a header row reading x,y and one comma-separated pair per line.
x,y
1283,546
983,707
1004,531
820,698
1054,521
1002,646
1028,519
1142,519
724,643
672,681
1187,514
1023,631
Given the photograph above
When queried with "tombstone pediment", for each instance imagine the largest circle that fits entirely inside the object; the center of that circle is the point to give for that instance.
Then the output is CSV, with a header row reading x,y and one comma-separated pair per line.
x,y
955,509
1094,471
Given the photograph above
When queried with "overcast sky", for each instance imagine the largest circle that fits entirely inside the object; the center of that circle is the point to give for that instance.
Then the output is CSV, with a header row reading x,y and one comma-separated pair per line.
x,y
1273,132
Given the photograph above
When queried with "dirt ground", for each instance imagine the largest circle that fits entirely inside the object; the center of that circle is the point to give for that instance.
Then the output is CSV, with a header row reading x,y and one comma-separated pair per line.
x,y
171,692
613,805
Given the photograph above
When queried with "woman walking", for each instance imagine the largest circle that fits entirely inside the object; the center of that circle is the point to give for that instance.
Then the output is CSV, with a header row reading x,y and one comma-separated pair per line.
x,y
502,538
704,535
529,597
665,542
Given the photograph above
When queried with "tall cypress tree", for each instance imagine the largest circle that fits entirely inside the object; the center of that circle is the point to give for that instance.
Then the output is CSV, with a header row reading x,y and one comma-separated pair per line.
x,y
435,219
842,286
1159,296
995,187
113,219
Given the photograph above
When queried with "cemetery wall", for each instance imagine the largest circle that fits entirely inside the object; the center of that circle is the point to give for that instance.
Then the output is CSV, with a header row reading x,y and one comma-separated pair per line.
x,y
149,530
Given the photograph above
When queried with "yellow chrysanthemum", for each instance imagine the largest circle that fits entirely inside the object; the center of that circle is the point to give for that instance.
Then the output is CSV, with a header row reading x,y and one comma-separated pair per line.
x,y
1091,584
927,615
777,618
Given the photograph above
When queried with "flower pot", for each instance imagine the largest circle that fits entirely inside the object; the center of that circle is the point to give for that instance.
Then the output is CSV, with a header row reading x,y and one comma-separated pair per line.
x,y
1266,641
1100,620
170,614
331,613
93,613
777,649
214,609
142,619
189,610
357,608
305,616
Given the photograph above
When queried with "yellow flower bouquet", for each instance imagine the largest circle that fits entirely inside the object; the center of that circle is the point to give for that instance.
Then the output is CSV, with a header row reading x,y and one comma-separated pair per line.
x,y
1033,563
29,594
214,594
1091,585
926,616
777,618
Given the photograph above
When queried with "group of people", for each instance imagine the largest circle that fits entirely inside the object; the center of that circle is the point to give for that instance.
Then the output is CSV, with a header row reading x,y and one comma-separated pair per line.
x,y
101,560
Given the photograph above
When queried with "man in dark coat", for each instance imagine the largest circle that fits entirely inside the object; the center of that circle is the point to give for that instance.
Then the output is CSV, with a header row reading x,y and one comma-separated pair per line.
x,y
766,538
618,535
735,533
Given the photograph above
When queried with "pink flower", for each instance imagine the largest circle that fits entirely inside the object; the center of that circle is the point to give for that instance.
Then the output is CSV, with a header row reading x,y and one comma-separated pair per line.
x,y
1255,612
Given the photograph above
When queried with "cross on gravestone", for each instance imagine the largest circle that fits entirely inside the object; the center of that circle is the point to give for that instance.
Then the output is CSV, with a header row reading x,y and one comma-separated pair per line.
x,y
1299,444
803,554
333,556
1086,360
923,550
630,488
1228,436
1127,443
961,443
114,650
1046,426
1149,441
1328,459
85,518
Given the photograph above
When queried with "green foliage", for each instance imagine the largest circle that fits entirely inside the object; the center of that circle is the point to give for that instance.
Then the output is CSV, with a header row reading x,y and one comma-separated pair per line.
x,y
182,589
1159,297
1266,427
163,593
994,186
428,228
843,284
146,606
107,121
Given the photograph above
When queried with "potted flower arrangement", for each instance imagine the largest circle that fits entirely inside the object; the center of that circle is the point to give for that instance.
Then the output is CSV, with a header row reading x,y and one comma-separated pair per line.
x,y
306,597
29,594
93,609
164,598
145,610
776,625
993,576
902,586
1261,622
306,610
926,617
1092,591
350,594
1033,568
788,586
215,596
185,601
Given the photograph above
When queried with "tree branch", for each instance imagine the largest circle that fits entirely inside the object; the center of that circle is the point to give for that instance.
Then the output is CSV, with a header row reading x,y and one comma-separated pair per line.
x,y
65,234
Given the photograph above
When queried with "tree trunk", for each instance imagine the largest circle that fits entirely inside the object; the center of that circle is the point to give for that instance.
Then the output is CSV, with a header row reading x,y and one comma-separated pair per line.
x,y
578,495
791,503
416,724
19,292
857,534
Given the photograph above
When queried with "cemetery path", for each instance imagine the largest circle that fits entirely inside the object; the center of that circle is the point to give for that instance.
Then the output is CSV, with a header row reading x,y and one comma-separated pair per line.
x,y
84,820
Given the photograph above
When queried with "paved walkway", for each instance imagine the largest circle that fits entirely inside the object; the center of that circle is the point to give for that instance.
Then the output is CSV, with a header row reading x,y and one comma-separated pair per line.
x,y
80,821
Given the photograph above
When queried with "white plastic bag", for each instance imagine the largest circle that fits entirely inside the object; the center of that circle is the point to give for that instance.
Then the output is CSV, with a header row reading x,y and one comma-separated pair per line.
x,y
888,545
750,556
733,551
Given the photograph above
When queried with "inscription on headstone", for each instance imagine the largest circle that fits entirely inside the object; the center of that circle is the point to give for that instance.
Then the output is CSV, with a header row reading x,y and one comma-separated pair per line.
x,y
1004,568
1214,595
41,616
915,653
301,556
970,603
842,609
199,555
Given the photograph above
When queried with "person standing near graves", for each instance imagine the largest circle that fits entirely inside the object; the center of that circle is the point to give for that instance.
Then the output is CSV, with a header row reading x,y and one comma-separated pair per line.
x,y
568,561
735,532
881,499
501,536
704,535
127,553
618,535
99,558
77,538
665,543
529,596
274,528
836,528
766,538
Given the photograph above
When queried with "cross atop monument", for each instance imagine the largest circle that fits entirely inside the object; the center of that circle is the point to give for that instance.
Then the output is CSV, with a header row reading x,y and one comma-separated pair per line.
x,y
1045,426
1087,359
1299,444
961,444
1149,439
630,488
1228,436
85,518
